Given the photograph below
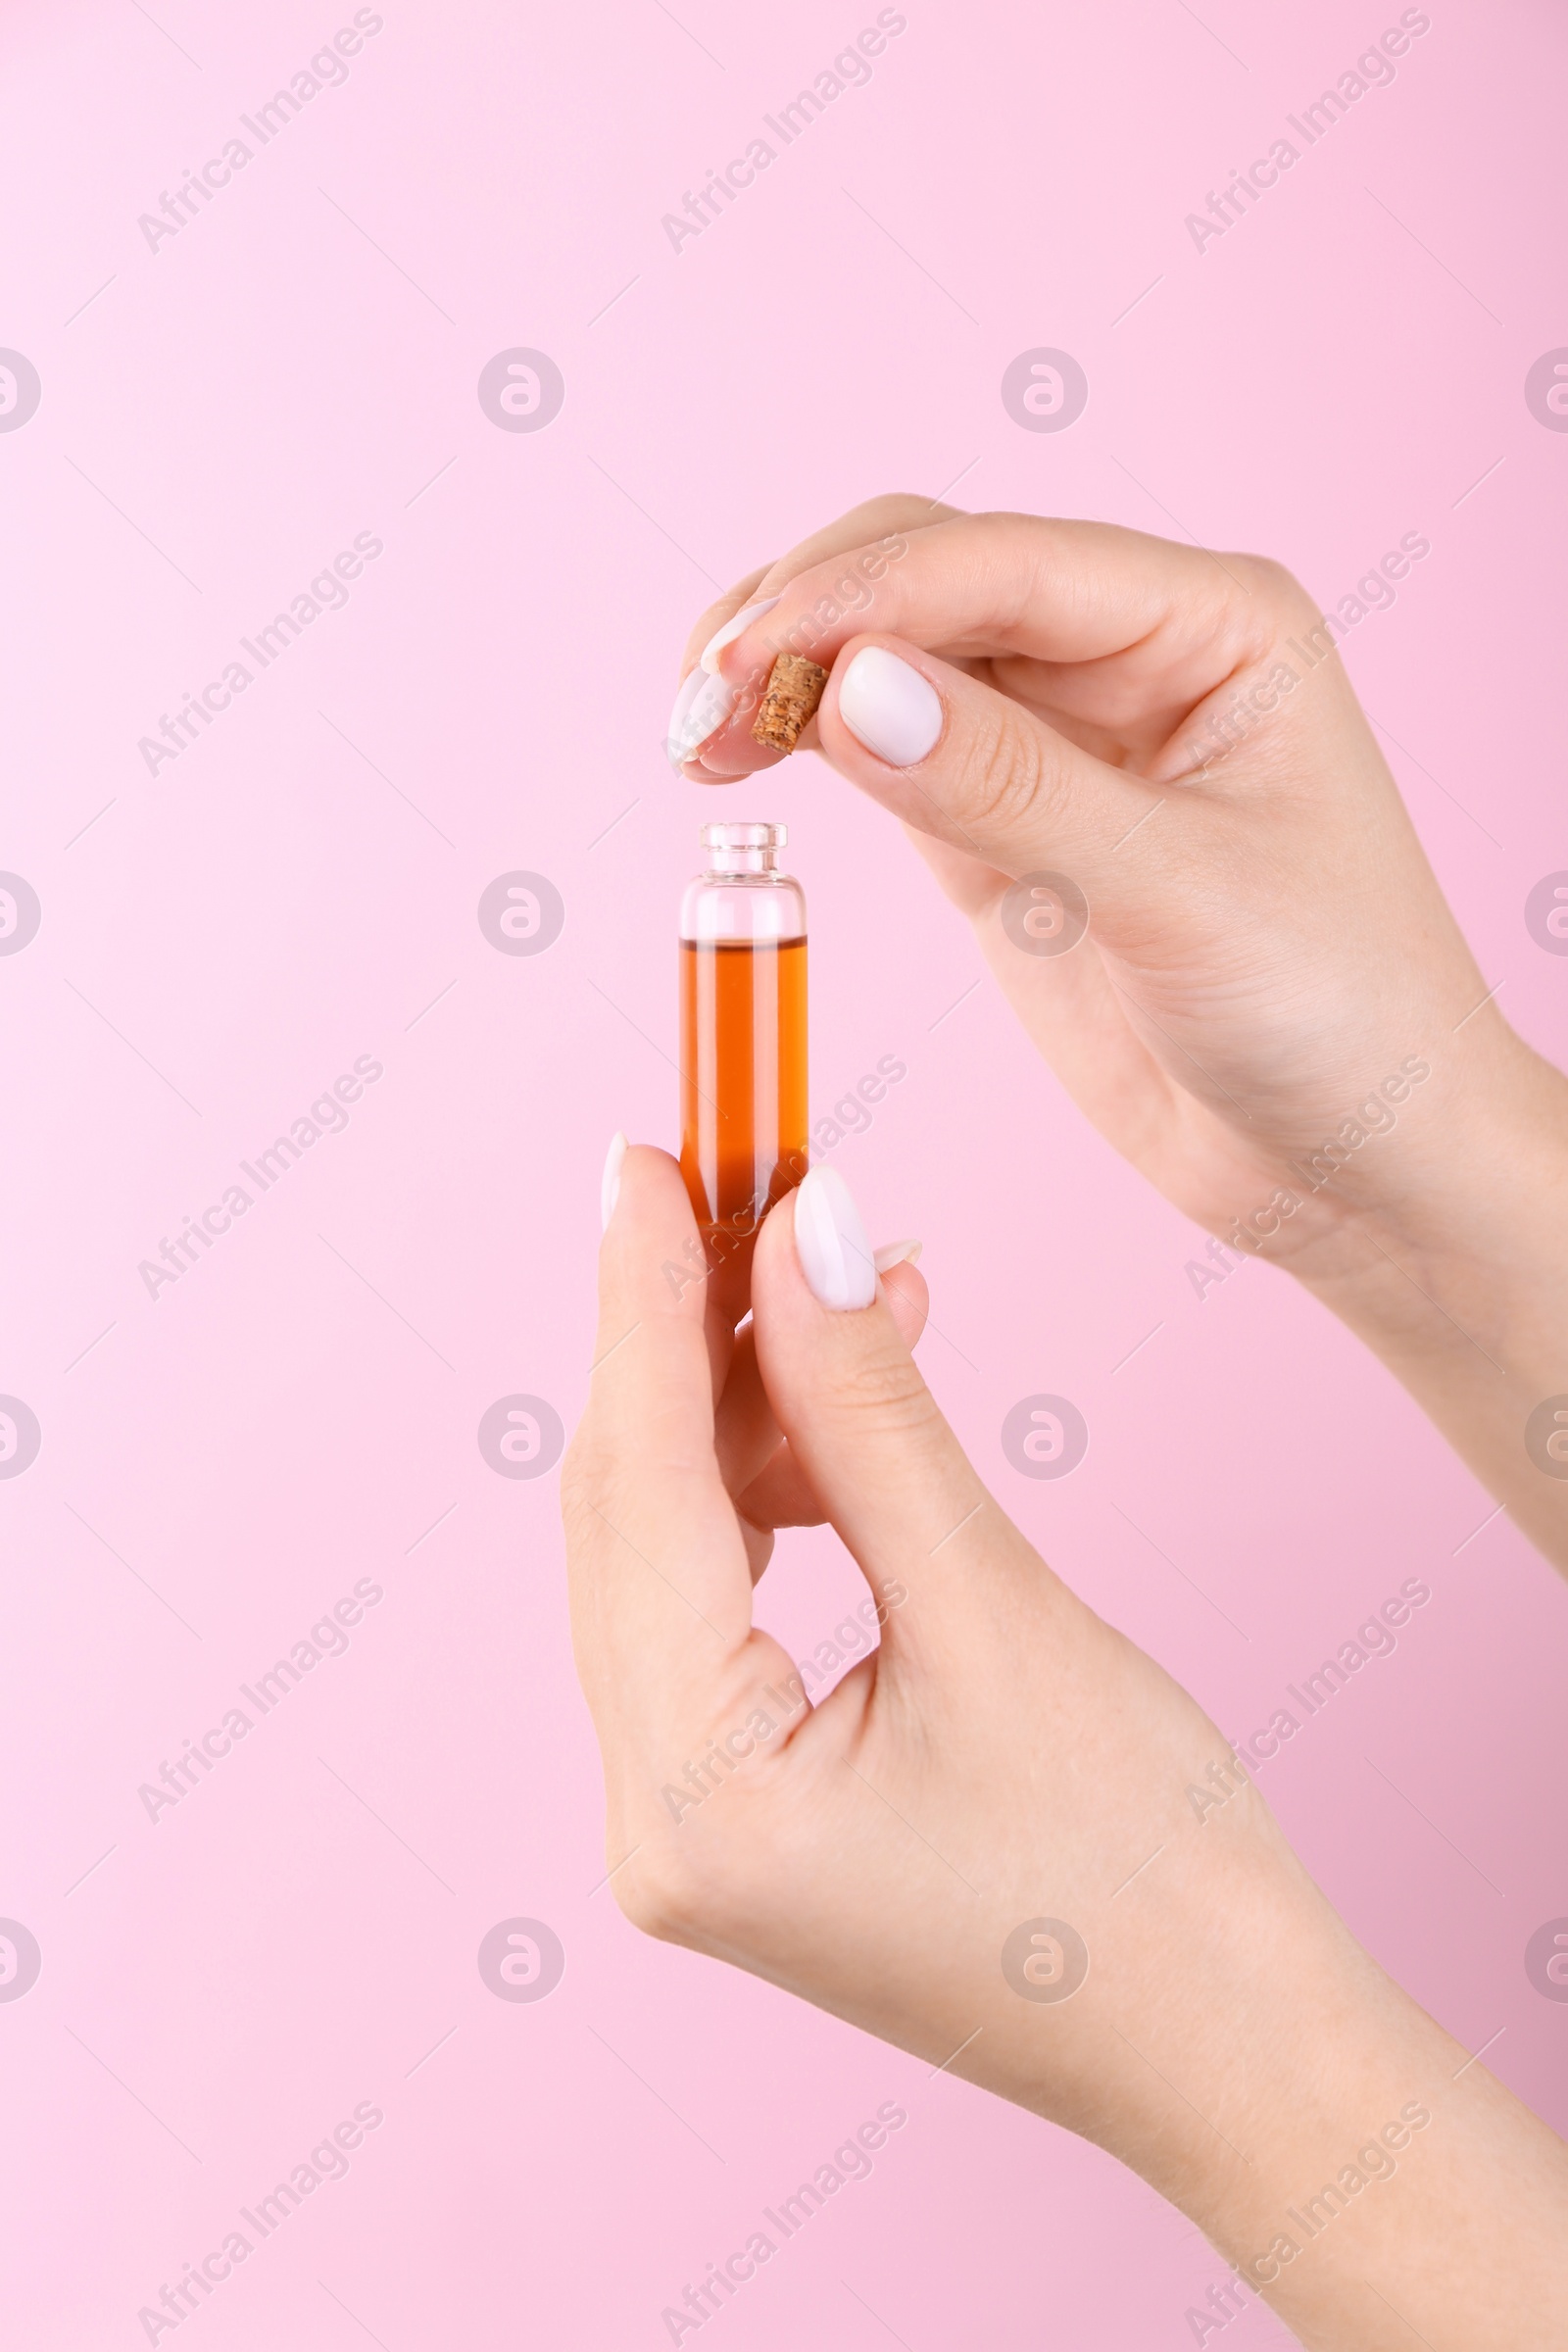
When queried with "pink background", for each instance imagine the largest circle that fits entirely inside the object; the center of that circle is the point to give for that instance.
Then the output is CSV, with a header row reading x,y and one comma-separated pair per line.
x,y
220,418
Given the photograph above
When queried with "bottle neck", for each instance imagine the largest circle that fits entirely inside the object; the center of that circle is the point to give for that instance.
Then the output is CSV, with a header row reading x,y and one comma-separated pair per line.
x,y
728,863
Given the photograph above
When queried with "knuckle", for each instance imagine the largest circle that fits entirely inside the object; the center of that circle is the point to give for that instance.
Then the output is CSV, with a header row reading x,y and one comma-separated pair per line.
x,y
597,1491
1278,592
581,1475
598,1494
1275,578
882,1391
664,1898
690,1886
893,509
1004,775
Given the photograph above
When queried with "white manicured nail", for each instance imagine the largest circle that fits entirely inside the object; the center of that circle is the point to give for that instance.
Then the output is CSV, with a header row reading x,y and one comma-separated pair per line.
x,y
830,1242
691,686
708,659
897,1254
702,707
610,1182
889,706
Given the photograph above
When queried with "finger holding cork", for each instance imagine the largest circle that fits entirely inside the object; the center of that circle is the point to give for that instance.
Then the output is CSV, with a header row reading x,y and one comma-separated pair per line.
x,y
778,701
789,699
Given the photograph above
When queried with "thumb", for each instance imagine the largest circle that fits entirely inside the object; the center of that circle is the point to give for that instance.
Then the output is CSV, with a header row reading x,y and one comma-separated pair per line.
x,y
975,769
889,1472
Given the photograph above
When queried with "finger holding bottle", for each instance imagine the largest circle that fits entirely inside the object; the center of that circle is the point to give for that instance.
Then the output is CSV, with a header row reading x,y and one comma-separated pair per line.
x,y
759,1468
983,1844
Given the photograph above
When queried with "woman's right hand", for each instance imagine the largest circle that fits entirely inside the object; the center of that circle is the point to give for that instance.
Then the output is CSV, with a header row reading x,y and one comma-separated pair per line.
x,y
1007,1840
1270,1009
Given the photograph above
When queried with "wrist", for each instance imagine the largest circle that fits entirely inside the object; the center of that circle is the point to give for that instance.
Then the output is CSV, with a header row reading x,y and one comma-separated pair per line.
x,y
1461,1203
1300,2047
1232,2034
1456,1276
1356,2168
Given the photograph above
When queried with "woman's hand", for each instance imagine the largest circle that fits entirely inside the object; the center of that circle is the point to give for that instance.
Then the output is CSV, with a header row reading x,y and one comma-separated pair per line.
x,y
1007,1841
1142,773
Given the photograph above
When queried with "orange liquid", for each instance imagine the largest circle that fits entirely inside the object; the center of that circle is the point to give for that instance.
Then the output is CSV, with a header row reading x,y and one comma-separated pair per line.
x,y
743,1082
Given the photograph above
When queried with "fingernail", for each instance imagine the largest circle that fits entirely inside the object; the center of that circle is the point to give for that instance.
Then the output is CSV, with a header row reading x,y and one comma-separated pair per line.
x,y
702,707
897,1254
708,659
610,1182
830,1242
889,706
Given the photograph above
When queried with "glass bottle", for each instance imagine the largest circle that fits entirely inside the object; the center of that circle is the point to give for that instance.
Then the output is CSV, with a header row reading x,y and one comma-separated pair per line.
x,y
742,1035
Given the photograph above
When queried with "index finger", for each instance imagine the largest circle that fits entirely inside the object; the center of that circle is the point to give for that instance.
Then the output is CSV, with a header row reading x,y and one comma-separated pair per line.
x,y
874,518
1053,589
1096,609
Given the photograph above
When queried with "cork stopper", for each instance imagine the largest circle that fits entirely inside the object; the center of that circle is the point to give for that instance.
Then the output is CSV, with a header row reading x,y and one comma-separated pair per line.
x,y
794,690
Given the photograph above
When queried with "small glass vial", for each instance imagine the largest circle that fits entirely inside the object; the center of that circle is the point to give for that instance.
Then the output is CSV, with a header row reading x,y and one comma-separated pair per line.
x,y
742,1035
